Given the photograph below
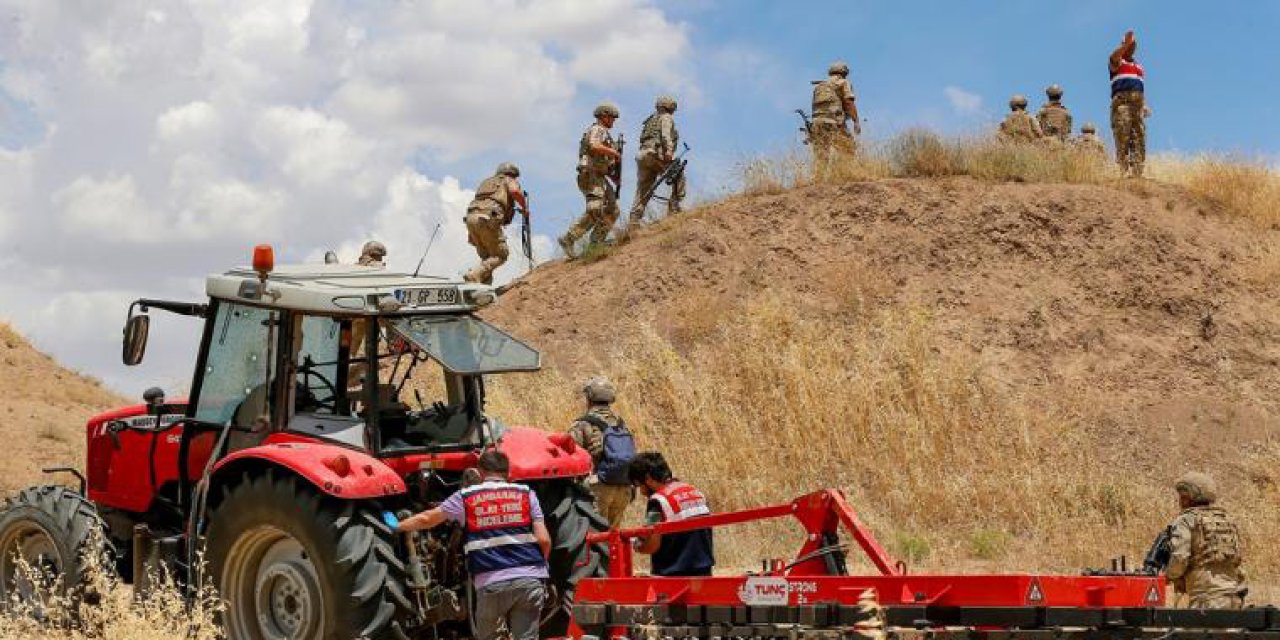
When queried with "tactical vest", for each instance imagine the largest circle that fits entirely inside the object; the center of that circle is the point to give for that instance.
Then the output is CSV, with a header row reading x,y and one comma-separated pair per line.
x,y
1018,125
596,164
1053,121
651,133
1214,538
499,527
1128,76
680,501
493,192
827,104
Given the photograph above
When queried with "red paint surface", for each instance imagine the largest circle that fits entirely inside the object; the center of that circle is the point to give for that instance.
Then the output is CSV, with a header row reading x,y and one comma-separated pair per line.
x,y
368,476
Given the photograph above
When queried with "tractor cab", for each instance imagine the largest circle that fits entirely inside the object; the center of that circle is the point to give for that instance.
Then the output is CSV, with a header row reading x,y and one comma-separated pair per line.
x,y
387,363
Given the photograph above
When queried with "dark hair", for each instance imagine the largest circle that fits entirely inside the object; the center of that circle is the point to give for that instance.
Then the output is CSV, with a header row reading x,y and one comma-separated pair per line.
x,y
648,464
494,461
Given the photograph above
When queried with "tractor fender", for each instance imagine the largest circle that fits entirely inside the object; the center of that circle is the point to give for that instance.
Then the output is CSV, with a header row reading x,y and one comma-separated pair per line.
x,y
337,471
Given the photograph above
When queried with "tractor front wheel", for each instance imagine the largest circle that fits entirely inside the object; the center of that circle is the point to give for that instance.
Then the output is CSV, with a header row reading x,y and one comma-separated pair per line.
x,y
50,538
294,565
570,514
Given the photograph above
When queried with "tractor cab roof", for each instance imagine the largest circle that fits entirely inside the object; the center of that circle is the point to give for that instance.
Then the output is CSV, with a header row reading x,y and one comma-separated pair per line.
x,y
349,290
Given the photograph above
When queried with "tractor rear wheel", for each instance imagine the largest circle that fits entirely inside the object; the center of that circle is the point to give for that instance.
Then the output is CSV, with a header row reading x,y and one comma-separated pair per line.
x,y
292,564
570,514
57,534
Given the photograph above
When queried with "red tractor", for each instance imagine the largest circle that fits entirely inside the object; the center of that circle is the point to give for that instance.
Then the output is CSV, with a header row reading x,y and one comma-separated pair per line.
x,y
323,395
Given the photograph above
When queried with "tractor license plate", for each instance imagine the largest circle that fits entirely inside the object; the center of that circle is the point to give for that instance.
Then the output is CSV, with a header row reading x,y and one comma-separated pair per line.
x,y
428,297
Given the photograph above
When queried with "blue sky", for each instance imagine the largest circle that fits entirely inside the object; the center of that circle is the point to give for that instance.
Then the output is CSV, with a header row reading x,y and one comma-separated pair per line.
x,y
155,141
1212,73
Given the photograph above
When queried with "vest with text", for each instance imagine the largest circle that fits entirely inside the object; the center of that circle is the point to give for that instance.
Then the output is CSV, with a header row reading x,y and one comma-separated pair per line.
x,y
499,527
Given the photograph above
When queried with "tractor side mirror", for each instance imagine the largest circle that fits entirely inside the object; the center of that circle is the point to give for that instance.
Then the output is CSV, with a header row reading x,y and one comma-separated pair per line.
x,y
135,339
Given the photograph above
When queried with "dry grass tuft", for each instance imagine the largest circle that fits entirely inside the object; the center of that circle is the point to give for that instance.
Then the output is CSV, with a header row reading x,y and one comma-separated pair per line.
x,y
1247,187
951,473
112,611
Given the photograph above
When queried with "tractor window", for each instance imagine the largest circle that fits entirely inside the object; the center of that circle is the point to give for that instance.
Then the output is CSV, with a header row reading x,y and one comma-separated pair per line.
x,y
234,383
317,365
467,345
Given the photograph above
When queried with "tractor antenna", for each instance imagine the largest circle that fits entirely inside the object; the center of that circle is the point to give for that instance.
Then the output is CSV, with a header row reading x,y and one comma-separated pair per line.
x,y
430,242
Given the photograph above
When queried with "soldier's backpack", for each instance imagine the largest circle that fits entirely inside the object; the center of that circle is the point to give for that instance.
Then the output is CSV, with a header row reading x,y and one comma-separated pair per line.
x,y
826,99
619,448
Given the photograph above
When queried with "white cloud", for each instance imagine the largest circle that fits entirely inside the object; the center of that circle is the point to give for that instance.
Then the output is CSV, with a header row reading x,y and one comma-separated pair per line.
x,y
177,135
963,102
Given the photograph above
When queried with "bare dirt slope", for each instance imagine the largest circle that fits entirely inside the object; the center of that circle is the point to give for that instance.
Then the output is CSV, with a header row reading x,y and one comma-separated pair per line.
x,y
42,413
1134,307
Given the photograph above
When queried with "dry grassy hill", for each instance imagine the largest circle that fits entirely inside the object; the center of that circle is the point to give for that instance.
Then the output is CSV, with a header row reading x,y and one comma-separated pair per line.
x,y
1002,375
42,413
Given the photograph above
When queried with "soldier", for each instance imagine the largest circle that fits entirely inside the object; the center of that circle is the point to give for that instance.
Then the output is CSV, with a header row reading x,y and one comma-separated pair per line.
x,y
1204,544
1089,142
1019,126
597,158
658,141
373,254
490,210
1128,107
1053,117
605,436
833,104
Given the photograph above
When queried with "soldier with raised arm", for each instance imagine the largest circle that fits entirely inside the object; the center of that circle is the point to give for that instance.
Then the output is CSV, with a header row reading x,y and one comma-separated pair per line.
x,y
597,158
1128,106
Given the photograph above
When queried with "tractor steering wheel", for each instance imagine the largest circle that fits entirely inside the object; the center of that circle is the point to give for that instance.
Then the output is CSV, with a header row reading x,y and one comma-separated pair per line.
x,y
308,371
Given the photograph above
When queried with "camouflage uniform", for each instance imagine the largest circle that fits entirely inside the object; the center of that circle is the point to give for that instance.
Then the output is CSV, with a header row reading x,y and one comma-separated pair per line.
x,y
658,141
593,181
1130,130
830,136
1055,121
1204,542
1019,126
1089,142
372,254
490,210
611,500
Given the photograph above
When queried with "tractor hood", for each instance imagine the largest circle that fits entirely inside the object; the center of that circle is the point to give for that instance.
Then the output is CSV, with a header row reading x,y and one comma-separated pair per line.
x,y
539,455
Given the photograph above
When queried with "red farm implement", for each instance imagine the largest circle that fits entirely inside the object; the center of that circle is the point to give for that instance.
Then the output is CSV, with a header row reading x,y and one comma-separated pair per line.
x,y
812,595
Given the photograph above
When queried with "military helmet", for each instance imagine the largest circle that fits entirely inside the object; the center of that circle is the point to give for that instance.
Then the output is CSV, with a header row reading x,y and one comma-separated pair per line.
x,y
606,109
1199,488
508,169
599,390
665,102
374,249
1053,91
838,68
1088,128
1018,101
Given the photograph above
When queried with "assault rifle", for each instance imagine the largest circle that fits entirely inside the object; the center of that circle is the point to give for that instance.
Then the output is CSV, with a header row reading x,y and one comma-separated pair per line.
x,y
670,175
615,173
526,234
1155,562
808,125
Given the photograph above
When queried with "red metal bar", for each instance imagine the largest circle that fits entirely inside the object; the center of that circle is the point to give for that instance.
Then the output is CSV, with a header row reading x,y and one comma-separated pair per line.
x,y
820,513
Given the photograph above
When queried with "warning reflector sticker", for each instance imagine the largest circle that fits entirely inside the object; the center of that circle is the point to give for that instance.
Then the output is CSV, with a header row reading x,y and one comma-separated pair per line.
x,y
1153,594
1034,593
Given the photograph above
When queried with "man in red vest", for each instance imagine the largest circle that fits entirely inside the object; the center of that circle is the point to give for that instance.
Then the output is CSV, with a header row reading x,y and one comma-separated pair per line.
x,y
506,544
1128,107
688,553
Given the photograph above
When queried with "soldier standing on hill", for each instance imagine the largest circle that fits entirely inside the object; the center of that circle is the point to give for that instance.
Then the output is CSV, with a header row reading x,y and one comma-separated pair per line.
x,y
490,210
658,141
1054,119
1128,107
1019,126
605,436
833,104
1089,141
1204,545
597,158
